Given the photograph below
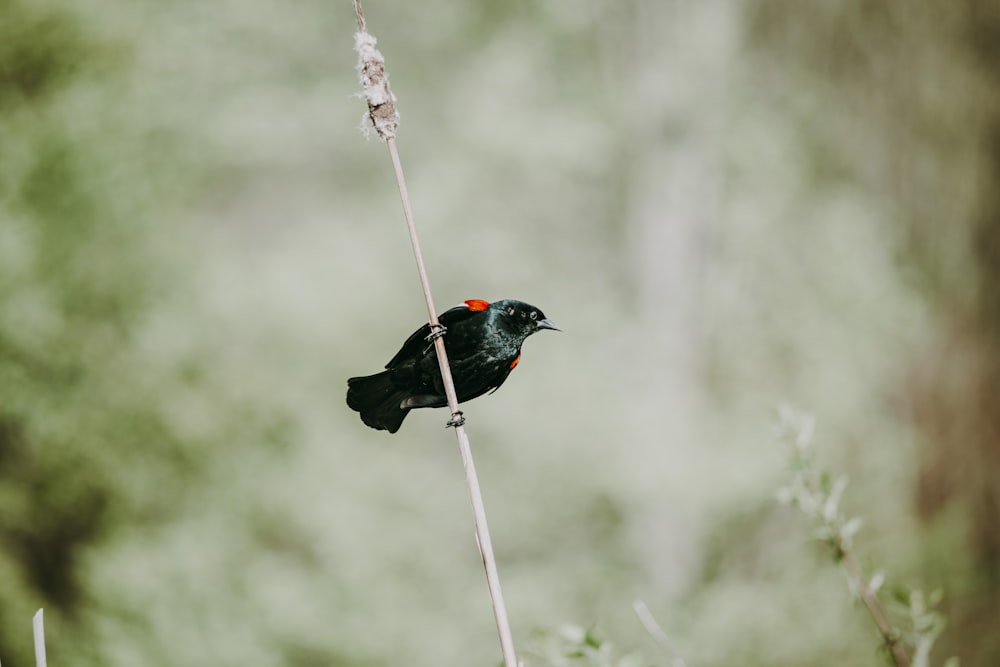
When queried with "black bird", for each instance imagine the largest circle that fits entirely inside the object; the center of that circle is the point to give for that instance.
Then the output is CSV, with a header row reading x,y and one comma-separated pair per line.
x,y
483,341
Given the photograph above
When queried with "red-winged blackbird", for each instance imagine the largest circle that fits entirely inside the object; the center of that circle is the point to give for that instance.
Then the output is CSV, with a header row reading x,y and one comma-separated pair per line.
x,y
483,341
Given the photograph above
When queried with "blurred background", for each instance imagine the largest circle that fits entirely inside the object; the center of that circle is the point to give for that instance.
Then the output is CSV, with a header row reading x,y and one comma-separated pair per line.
x,y
724,204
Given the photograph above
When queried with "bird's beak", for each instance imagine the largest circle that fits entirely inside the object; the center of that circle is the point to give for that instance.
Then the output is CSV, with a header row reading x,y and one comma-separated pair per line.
x,y
548,324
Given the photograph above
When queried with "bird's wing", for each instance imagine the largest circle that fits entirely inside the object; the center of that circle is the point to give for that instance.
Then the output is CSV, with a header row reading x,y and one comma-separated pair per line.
x,y
417,342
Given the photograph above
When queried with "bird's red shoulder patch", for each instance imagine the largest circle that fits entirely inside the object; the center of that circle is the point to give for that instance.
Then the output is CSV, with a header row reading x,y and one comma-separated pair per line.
x,y
477,304
516,361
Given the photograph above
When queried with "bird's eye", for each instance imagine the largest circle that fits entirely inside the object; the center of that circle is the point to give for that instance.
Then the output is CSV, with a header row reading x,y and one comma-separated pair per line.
x,y
534,314
510,311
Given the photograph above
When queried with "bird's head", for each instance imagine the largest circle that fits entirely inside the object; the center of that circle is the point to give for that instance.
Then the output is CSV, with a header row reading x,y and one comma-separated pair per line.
x,y
521,318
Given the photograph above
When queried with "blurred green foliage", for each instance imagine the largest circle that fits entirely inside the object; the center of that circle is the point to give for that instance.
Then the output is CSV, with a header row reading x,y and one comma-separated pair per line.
x,y
87,444
724,205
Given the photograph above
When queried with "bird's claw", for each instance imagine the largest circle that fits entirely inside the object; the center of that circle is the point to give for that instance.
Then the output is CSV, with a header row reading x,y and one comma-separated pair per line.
x,y
457,419
437,330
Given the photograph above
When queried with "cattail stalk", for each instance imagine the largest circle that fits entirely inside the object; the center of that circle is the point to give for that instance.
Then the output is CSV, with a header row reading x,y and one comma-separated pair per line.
x,y
382,112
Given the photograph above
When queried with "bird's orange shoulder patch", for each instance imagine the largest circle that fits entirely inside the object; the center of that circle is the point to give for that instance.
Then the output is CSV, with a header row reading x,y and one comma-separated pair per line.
x,y
477,304
516,361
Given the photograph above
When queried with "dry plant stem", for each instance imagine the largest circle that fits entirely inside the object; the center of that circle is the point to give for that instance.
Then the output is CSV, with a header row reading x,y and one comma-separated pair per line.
x,y
38,625
382,111
656,632
471,478
857,576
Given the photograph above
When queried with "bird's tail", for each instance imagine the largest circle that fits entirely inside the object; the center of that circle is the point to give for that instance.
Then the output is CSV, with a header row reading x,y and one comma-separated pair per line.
x,y
377,399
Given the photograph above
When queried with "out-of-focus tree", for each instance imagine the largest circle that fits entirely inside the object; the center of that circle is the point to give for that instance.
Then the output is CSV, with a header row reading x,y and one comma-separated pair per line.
x,y
85,441
914,93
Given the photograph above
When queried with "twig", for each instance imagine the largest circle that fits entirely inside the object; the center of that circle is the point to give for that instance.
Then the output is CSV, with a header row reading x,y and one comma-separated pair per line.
x,y
38,624
382,111
822,505
657,633
844,552
868,596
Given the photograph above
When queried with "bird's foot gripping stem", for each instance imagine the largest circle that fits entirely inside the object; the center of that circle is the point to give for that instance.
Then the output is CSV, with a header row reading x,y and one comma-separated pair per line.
x,y
457,419
437,330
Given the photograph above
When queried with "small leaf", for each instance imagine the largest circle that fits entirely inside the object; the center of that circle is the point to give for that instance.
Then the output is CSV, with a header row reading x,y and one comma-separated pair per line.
x,y
852,526
823,534
953,661
824,481
806,501
876,583
901,594
849,530
806,426
832,503
572,633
